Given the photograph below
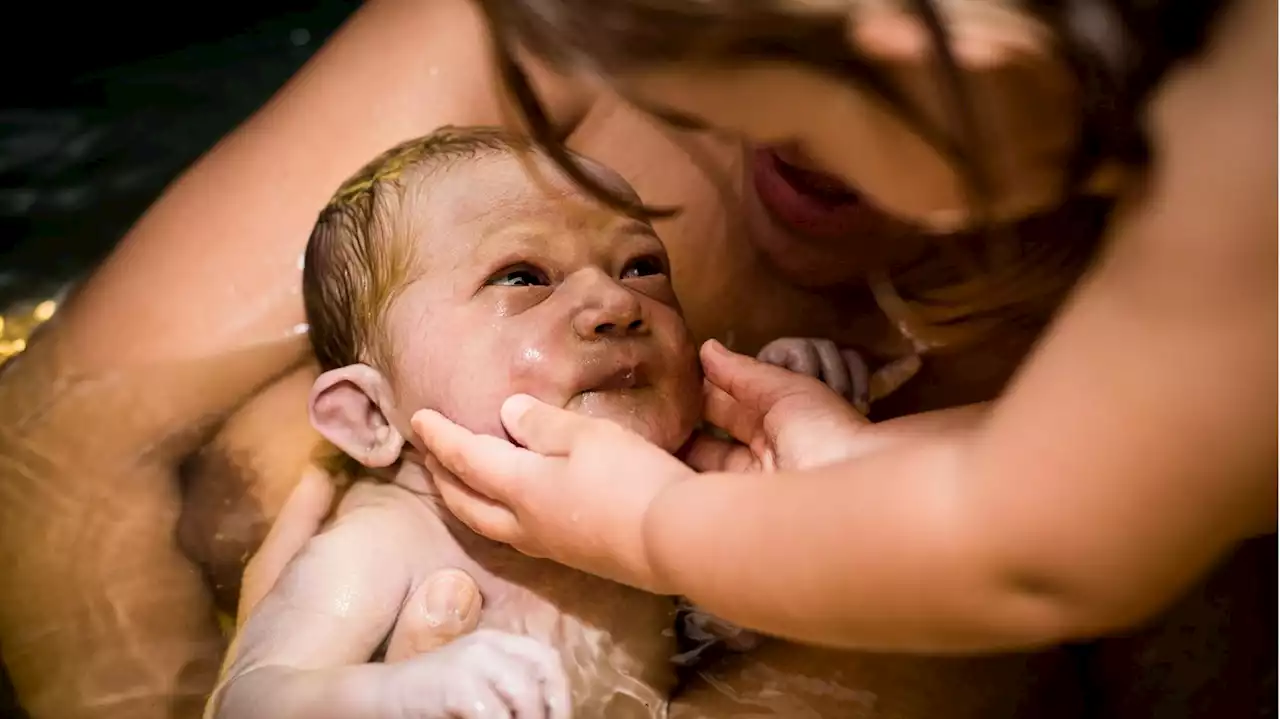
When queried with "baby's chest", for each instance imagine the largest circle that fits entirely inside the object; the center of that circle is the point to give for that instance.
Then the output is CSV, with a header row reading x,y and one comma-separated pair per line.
x,y
616,642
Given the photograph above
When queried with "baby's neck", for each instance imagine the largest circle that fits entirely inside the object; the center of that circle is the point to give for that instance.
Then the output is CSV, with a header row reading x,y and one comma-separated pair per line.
x,y
412,474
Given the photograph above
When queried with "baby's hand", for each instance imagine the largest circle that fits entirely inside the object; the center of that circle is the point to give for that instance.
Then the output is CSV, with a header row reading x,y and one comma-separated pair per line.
x,y
484,675
844,371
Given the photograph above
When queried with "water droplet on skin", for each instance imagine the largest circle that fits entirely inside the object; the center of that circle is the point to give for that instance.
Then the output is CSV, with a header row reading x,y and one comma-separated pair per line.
x,y
302,261
299,329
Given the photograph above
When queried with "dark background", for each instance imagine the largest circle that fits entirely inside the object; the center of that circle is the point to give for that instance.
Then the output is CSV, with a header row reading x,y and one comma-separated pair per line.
x,y
102,105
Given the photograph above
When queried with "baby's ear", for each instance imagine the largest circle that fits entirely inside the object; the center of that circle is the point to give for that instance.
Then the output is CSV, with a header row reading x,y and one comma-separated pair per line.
x,y
346,407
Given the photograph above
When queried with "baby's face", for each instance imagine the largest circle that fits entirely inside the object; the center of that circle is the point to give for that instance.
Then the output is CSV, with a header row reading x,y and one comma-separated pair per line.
x,y
524,287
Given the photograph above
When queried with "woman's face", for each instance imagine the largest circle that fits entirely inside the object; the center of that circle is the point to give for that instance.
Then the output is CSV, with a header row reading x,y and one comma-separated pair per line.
x,y
833,163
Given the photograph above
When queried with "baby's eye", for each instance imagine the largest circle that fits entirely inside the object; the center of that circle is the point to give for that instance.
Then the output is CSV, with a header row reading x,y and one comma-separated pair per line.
x,y
520,276
644,267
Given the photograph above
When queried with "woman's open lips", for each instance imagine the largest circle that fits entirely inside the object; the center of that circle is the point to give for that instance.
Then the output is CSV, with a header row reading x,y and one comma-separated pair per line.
x,y
807,202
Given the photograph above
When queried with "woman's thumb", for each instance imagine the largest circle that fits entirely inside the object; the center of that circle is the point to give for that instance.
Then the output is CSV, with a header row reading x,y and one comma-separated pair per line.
x,y
754,384
444,607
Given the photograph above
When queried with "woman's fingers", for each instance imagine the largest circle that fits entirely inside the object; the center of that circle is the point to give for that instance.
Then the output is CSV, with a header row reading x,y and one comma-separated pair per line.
x,y
299,520
484,516
722,410
491,466
755,385
549,431
441,609
712,454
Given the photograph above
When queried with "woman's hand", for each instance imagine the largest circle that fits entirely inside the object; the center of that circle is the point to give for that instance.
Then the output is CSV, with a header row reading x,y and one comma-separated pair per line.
x,y
576,491
781,419
441,609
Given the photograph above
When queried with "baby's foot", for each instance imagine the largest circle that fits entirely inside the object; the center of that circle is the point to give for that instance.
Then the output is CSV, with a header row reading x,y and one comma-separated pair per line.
x,y
485,675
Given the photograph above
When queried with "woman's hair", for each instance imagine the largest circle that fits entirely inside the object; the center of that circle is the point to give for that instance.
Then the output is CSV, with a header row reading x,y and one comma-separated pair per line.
x,y
1024,279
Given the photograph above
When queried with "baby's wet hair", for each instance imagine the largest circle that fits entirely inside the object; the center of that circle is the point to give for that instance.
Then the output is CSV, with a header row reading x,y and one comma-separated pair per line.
x,y
355,262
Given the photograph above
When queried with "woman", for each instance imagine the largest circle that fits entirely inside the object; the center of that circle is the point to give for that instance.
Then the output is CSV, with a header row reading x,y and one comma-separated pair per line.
x,y
1136,448
123,628
1056,514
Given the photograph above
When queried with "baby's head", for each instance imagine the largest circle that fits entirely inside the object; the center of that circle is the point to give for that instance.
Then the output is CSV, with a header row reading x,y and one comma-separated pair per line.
x,y
445,276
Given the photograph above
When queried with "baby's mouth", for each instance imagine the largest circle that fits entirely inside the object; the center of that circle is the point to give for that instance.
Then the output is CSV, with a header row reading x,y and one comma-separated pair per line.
x,y
622,379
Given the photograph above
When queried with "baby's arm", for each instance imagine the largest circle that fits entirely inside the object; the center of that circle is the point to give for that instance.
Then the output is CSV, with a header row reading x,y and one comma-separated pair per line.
x,y
303,653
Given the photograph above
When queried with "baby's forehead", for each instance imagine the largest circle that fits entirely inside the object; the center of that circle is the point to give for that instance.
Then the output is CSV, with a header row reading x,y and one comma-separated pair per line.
x,y
469,200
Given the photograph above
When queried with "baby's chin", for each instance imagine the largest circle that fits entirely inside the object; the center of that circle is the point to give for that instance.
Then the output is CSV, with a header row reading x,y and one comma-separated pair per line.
x,y
659,420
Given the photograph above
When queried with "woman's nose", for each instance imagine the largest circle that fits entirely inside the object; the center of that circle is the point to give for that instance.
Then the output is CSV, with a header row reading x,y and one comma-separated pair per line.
x,y
608,310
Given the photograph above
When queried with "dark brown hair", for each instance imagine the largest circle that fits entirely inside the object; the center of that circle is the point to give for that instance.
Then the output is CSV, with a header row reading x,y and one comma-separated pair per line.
x,y
608,37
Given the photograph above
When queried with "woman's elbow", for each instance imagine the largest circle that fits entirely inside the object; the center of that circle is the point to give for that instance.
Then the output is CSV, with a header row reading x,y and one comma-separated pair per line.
x,y
1053,611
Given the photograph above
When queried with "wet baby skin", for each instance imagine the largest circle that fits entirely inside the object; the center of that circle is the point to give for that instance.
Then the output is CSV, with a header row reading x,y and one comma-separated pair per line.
x,y
519,288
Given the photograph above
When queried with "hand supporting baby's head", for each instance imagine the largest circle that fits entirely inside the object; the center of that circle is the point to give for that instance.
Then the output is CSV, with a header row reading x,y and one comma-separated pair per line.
x,y
445,276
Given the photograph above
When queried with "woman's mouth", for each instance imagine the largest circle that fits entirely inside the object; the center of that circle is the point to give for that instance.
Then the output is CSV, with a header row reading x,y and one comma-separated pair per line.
x,y
808,202
813,229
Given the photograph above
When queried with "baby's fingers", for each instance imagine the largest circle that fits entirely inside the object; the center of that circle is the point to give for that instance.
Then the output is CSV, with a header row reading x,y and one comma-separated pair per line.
x,y
556,697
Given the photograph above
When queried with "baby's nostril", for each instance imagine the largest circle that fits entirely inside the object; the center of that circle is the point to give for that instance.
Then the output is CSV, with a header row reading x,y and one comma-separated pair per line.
x,y
605,328
635,325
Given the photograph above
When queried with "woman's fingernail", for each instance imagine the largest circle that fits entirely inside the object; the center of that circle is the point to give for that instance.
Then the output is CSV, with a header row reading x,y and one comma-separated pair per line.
x,y
422,419
517,405
449,600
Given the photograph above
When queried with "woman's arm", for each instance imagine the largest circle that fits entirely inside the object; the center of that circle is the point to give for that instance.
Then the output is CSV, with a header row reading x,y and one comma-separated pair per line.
x,y
1134,450
198,306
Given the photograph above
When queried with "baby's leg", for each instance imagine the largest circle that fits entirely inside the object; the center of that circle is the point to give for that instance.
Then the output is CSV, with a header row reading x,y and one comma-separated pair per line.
x,y
235,485
789,680
1212,655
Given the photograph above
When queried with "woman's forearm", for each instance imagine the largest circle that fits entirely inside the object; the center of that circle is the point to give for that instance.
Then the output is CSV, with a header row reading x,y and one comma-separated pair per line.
x,y
100,615
879,552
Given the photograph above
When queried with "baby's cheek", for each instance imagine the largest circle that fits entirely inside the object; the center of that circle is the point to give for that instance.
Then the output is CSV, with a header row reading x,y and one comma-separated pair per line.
x,y
485,375
544,369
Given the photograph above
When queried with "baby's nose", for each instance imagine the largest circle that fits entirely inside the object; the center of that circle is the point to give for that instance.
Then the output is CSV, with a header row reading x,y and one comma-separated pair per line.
x,y
609,310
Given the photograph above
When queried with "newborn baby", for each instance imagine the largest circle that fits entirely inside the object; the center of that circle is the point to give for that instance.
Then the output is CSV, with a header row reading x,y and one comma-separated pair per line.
x,y
445,276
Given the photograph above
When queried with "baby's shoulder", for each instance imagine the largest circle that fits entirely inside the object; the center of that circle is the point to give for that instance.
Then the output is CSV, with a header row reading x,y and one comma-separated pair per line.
x,y
385,506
